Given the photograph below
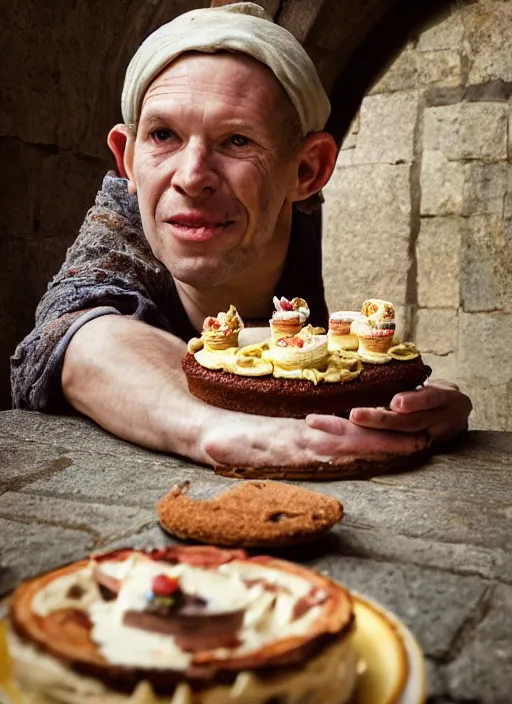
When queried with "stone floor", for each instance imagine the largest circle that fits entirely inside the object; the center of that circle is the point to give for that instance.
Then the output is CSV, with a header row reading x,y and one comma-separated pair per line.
x,y
433,545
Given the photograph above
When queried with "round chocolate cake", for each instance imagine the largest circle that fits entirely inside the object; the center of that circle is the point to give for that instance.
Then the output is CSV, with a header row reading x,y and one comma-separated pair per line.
x,y
299,369
268,396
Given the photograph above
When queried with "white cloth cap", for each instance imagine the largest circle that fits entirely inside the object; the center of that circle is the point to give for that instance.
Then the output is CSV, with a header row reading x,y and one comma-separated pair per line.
x,y
244,28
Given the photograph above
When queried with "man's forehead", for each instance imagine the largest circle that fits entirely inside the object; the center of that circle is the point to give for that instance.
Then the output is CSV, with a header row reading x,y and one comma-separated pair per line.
x,y
226,74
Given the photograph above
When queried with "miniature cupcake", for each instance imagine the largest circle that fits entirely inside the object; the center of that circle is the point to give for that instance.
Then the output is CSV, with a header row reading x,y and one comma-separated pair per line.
x,y
221,333
340,337
299,353
375,331
288,318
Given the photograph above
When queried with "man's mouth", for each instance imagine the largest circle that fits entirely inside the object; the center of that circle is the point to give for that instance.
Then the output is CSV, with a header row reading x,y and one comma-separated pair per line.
x,y
196,228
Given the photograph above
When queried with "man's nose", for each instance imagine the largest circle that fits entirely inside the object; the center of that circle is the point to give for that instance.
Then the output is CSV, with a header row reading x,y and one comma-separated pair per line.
x,y
194,174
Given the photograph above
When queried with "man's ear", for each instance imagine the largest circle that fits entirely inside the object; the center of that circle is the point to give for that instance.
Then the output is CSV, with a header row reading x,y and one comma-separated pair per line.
x,y
316,163
121,142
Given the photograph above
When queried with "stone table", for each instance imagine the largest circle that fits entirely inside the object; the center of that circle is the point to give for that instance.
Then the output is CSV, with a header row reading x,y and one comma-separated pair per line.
x,y
434,545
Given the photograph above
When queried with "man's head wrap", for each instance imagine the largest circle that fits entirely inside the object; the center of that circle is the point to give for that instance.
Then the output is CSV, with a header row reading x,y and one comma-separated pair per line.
x,y
245,28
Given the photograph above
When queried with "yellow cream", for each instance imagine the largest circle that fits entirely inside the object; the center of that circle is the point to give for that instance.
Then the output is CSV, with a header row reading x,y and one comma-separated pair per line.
x,y
404,351
237,360
309,354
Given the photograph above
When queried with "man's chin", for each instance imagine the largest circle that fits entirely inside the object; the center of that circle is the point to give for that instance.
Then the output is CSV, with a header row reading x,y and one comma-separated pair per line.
x,y
203,276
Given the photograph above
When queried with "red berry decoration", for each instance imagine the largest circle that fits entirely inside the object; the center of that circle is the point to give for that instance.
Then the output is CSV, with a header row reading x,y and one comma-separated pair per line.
x,y
162,585
294,342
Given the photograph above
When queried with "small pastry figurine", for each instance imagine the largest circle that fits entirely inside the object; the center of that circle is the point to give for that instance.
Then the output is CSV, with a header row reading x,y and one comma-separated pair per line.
x,y
375,330
340,337
221,332
288,318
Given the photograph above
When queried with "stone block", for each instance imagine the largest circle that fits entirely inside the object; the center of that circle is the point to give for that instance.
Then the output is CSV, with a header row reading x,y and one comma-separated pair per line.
x,y
102,522
48,192
467,130
412,70
445,32
366,234
442,184
485,264
66,188
486,39
485,188
345,158
408,513
456,558
439,68
436,685
67,433
434,604
104,478
400,74
350,138
150,539
475,477
438,258
17,188
386,135
490,645
19,468
485,341
437,330
492,404
28,550
444,367
62,62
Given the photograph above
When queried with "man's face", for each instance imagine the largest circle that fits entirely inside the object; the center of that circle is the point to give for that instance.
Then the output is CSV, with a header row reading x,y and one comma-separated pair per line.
x,y
212,165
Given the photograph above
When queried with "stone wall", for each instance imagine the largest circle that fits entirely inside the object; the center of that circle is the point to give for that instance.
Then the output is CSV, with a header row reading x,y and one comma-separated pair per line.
x,y
419,210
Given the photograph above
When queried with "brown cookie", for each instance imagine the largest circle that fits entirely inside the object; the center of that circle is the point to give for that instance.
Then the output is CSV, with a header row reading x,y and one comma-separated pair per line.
x,y
253,514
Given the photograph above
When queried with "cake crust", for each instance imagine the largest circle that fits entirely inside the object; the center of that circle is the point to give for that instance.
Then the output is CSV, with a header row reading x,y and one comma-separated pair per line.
x,y
296,398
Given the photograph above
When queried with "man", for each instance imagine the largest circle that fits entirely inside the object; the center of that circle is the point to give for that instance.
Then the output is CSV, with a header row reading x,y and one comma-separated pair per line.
x,y
221,152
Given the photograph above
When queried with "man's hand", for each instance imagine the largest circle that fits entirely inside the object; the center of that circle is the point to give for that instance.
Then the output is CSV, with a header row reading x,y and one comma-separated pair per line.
x,y
439,408
246,440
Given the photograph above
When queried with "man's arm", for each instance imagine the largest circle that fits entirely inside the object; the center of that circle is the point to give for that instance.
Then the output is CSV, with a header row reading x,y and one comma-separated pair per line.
x,y
108,269
127,376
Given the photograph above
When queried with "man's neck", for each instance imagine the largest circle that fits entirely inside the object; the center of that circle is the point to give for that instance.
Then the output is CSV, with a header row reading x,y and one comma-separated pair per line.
x,y
251,292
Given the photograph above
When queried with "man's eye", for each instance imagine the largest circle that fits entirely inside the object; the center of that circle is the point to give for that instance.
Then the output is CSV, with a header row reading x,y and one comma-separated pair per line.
x,y
161,135
238,140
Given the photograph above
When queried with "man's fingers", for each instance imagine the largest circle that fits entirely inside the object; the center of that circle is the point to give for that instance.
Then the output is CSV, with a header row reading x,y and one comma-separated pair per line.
x,y
342,436
424,399
329,424
380,419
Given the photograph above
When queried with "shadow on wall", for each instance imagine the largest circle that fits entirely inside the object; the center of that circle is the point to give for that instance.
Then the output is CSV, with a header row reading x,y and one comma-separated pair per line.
x,y
55,114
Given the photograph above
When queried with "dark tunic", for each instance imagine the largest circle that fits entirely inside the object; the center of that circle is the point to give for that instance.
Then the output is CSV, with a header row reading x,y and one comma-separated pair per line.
x,y
110,269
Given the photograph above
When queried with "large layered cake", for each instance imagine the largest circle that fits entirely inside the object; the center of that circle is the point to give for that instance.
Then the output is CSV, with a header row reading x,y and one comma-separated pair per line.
x,y
185,625
300,369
